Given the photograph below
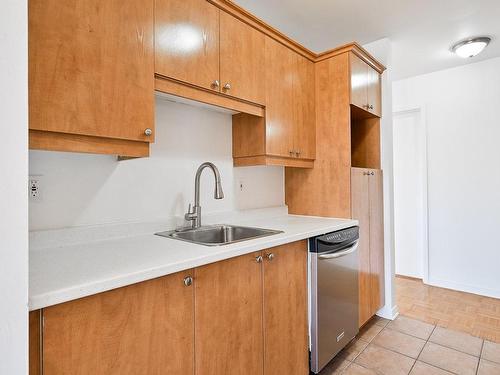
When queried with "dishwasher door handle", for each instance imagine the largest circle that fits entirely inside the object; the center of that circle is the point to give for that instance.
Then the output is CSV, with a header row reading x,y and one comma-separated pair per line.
x,y
339,254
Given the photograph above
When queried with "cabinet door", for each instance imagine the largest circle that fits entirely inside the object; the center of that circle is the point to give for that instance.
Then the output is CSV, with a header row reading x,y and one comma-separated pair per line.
x,y
377,283
187,41
280,77
359,82
360,201
91,73
304,107
242,69
374,92
285,310
146,328
228,317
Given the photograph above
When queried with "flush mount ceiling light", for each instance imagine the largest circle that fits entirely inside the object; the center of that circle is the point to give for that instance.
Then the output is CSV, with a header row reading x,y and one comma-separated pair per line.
x,y
471,47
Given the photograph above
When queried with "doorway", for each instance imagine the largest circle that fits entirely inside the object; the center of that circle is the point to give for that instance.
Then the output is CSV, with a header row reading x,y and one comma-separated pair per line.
x,y
410,193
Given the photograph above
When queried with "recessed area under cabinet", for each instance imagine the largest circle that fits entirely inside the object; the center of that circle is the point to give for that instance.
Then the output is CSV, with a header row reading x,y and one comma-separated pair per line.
x,y
365,139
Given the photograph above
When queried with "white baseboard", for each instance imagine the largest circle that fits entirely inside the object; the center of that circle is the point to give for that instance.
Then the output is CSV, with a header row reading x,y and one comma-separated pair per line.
x,y
388,312
464,287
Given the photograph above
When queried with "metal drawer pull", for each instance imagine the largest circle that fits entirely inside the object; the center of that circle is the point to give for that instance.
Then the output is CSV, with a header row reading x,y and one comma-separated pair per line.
x,y
339,254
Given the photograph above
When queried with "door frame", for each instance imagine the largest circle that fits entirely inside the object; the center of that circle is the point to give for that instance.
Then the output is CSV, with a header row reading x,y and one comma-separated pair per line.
x,y
422,151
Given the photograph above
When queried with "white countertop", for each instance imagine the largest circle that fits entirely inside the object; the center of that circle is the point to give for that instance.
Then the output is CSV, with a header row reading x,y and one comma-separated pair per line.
x,y
63,272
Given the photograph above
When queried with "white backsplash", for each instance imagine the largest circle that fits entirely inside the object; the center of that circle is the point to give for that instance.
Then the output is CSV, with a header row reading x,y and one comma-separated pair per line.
x,y
81,189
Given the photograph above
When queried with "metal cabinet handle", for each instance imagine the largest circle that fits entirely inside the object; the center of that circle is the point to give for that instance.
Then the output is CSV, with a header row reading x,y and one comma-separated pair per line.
x,y
297,153
215,84
188,281
370,106
148,132
270,256
227,86
291,153
259,259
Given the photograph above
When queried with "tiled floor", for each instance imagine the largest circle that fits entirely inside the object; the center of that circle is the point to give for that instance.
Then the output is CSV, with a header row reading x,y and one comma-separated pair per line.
x,y
407,346
465,312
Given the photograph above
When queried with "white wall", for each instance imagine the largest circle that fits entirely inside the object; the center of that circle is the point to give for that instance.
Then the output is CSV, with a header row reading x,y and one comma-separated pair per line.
x,y
382,51
408,193
13,188
463,172
79,189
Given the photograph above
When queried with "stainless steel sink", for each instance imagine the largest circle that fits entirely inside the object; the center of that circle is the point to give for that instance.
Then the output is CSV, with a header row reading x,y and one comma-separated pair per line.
x,y
216,235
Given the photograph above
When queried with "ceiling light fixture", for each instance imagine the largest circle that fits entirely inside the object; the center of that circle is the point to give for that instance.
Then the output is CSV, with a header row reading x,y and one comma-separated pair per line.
x,y
471,47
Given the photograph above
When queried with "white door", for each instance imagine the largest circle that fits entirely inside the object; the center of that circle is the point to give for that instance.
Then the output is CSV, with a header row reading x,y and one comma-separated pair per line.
x,y
410,194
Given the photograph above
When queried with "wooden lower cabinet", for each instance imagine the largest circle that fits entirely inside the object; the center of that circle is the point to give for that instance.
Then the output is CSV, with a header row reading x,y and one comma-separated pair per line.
x,y
228,317
245,315
145,328
367,208
285,310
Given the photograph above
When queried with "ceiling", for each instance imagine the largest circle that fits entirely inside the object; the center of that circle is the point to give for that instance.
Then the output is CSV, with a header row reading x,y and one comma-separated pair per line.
x,y
421,31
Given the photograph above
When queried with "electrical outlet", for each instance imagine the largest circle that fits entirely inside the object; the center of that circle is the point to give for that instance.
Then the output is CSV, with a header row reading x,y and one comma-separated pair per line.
x,y
34,188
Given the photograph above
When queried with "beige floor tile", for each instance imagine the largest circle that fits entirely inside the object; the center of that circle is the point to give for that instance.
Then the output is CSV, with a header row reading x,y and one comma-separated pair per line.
x,y
380,321
336,366
491,351
449,359
369,331
488,368
399,342
411,327
457,340
355,369
422,368
384,361
353,349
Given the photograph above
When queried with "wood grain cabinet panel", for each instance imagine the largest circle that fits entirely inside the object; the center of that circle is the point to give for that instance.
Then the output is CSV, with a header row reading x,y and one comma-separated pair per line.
x,y
359,82
228,315
145,328
367,208
187,41
242,72
377,240
365,86
374,92
281,75
361,211
91,73
304,143
285,310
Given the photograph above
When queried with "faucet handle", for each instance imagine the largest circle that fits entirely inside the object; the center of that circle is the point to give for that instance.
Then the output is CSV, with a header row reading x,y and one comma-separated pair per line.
x,y
189,216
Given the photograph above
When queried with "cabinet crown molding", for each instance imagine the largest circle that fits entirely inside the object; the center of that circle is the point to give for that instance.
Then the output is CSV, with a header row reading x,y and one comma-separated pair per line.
x,y
245,16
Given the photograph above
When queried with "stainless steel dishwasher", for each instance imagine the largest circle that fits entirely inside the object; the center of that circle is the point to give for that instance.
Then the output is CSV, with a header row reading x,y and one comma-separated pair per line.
x,y
334,294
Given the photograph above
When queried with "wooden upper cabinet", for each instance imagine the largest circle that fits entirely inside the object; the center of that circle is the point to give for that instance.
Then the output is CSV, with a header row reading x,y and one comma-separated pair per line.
x,y
374,92
90,72
187,41
304,106
286,135
145,328
281,73
365,86
242,69
228,317
285,310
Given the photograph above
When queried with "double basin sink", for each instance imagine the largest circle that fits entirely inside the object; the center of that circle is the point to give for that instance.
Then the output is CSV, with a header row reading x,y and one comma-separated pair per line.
x,y
216,235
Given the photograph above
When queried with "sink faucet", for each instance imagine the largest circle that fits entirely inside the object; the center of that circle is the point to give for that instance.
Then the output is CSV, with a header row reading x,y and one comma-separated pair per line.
x,y
194,216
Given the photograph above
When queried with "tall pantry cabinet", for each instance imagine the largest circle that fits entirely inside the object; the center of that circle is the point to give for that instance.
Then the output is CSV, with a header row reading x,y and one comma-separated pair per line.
x,y
346,180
